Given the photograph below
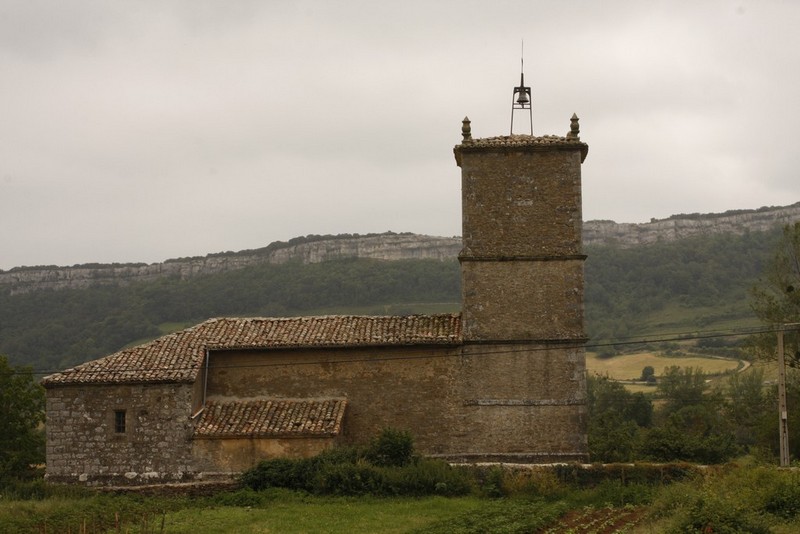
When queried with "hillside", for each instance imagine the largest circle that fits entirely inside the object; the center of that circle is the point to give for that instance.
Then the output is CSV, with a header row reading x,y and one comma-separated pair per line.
x,y
53,318
304,250
387,246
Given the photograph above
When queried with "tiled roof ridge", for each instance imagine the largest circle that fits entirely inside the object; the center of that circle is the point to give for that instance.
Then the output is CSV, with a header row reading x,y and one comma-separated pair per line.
x,y
178,356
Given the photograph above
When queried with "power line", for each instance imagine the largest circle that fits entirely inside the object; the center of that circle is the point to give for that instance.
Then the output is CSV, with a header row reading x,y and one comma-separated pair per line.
x,y
644,340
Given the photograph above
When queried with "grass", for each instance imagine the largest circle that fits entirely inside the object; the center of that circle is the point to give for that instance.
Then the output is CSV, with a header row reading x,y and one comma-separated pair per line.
x,y
273,511
743,497
629,366
678,318
302,513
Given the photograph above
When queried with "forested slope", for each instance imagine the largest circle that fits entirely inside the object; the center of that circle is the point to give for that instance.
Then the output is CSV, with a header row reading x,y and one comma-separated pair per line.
x,y
689,284
53,329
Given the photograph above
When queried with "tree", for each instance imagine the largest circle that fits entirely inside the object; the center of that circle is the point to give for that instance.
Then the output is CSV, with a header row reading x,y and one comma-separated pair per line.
x,y
615,419
690,425
693,433
681,387
21,415
776,298
747,406
648,374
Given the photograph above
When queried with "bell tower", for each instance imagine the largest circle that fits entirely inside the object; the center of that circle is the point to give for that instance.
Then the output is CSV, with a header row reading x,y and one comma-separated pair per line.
x,y
523,358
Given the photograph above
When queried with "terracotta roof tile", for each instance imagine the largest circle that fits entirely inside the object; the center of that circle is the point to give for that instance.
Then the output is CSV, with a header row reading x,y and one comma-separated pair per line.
x,y
522,142
178,357
271,418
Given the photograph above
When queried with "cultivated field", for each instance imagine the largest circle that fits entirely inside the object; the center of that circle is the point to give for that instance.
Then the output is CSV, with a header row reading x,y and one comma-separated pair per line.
x,y
629,366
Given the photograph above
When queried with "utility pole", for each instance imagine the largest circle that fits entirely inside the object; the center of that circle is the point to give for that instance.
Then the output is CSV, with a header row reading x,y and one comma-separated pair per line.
x,y
783,416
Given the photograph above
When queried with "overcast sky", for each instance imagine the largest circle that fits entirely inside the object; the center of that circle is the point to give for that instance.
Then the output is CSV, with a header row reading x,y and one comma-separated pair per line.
x,y
141,131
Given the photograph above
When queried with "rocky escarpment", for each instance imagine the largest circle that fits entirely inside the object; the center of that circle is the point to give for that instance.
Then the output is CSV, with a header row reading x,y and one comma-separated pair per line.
x,y
390,246
683,226
308,250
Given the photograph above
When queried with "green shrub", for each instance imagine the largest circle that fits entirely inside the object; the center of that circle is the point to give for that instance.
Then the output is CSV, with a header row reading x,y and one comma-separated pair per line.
x,y
339,455
492,483
710,513
386,467
428,477
783,497
352,479
391,448
280,473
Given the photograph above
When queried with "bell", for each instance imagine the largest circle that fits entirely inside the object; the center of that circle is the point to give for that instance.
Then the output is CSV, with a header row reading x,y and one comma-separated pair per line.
x,y
523,98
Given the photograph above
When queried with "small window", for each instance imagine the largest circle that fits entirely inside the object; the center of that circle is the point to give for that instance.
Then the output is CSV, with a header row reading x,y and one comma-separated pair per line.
x,y
119,421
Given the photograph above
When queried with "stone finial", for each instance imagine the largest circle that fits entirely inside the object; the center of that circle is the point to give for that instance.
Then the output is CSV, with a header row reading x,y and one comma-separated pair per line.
x,y
466,130
574,128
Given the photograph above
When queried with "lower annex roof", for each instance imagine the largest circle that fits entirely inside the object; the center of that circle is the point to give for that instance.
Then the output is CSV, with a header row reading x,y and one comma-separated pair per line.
x,y
178,357
271,418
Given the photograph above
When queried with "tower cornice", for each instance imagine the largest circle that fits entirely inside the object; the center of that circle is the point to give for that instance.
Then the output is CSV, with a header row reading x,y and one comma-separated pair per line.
x,y
521,143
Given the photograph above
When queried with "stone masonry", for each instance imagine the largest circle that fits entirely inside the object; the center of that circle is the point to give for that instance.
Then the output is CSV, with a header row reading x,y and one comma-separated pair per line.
x,y
84,445
502,381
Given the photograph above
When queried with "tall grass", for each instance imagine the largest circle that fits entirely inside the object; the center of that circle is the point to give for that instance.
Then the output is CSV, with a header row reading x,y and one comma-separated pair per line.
x,y
753,499
733,498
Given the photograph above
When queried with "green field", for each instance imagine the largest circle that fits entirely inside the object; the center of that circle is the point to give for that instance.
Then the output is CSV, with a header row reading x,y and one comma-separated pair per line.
x,y
629,366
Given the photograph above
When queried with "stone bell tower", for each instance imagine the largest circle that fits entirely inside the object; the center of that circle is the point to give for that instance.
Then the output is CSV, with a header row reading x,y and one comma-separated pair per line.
x,y
523,366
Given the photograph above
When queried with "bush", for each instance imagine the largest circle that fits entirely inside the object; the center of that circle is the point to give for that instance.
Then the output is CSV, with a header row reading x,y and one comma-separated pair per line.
x,y
710,513
433,477
281,473
386,467
730,499
783,498
352,479
391,448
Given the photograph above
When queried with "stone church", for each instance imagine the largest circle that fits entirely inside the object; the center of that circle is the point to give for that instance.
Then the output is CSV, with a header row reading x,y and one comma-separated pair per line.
x,y
502,381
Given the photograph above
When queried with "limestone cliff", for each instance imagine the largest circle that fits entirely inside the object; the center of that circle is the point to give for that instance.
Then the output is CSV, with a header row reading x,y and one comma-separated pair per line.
x,y
683,226
310,250
389,246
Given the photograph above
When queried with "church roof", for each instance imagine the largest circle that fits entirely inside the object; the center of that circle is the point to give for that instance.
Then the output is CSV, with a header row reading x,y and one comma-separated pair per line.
x,y
521,142
271,418
178,357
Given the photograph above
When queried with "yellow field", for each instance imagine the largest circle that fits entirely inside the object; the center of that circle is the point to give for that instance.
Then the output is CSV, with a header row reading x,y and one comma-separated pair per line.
x,y
629,366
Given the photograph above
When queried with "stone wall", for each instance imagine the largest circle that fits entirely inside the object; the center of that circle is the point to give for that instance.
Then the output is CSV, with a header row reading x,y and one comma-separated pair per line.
x,y
523,403
523,300
83,444
521,204
411,388
489,402
237,455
